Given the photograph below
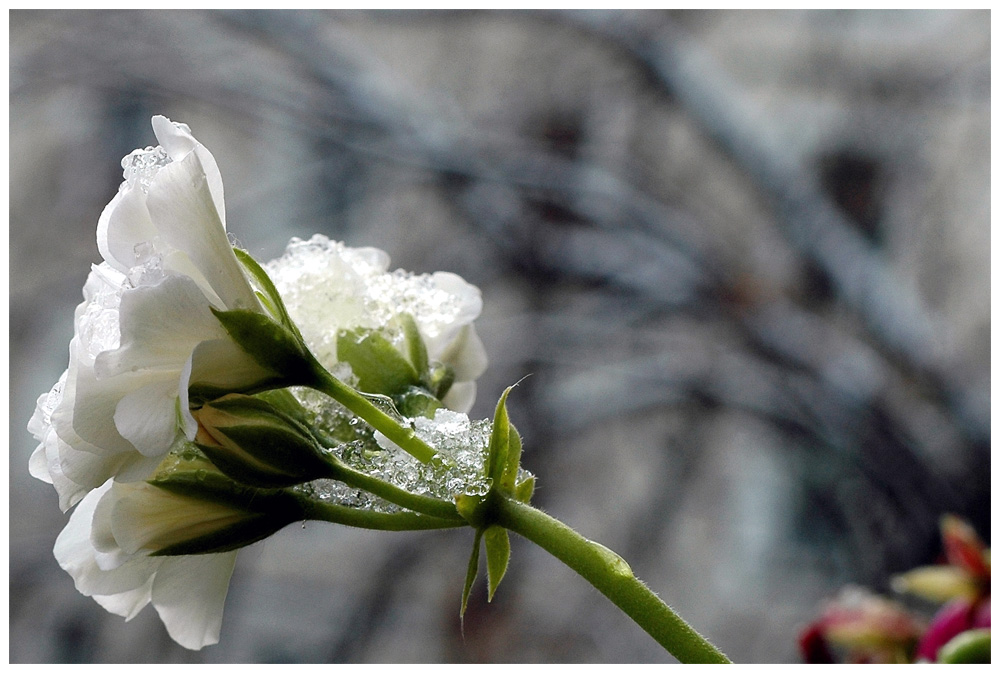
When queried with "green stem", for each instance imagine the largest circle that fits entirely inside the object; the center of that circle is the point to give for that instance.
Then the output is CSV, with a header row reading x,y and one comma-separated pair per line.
x,y
359,405
611,575
317,510
422,504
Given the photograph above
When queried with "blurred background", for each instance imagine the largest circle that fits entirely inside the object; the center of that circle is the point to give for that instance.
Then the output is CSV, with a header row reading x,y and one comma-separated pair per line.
x,y
744,257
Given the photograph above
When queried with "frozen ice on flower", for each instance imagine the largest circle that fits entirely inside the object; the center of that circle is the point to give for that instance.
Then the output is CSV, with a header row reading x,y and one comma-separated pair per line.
x,y
145,329
329,287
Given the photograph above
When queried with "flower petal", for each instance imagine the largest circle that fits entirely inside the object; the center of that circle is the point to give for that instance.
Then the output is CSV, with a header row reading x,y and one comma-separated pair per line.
x,y
160,326
123,226
182,209
147,417
76,555
461,397
189,593
178,142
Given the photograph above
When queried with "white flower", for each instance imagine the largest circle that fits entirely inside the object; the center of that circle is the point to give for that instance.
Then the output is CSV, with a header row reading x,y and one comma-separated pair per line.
x,y
105,549
145,330
328,287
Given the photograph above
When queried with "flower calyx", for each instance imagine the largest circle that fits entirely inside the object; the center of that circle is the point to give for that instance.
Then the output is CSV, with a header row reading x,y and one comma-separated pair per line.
x,y
251,441
415,384
503,469
189,507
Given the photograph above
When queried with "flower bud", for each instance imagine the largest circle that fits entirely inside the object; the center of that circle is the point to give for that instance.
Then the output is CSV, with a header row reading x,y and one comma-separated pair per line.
x,y
191,508
249,440
936,583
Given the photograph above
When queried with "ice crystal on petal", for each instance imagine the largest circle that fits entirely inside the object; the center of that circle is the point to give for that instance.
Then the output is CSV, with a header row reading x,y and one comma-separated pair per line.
x,y
328,287
141,166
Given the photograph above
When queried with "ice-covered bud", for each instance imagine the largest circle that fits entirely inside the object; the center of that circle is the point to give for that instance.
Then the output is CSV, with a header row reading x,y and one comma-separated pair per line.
x,y
331,289
251,441
936,583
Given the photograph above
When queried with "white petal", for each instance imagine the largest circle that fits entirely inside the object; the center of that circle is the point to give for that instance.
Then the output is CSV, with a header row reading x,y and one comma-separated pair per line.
x,y
90,470
77,556
148,417
127,603
189,593
160,326
461,397
469,295
38,465
85,417
124,224
178,142
465,355
182,209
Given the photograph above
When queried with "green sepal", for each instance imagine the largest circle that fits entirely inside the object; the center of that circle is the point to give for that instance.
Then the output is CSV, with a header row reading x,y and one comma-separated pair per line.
x,y
190,475
249,440
439,379
269,294
415,346
380,368
271,345
239,534
471,573
509,479
497,556
496,458
968,647
524,490
416,402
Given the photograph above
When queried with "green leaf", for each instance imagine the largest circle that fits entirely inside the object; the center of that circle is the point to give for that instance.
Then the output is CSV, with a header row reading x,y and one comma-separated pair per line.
x,y
497,556
470,575
380,368
271,345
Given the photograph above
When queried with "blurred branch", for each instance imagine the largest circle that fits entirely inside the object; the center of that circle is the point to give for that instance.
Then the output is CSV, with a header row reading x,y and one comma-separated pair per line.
x,y
812,223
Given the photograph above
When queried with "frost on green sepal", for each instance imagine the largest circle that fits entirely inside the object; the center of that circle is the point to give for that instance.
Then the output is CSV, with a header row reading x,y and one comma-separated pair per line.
x,y
271,345
471,573
497,556
189,507
251,441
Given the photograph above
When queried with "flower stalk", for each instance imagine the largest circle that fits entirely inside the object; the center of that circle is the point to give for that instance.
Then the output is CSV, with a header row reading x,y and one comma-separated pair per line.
x,y
404,437
610,575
